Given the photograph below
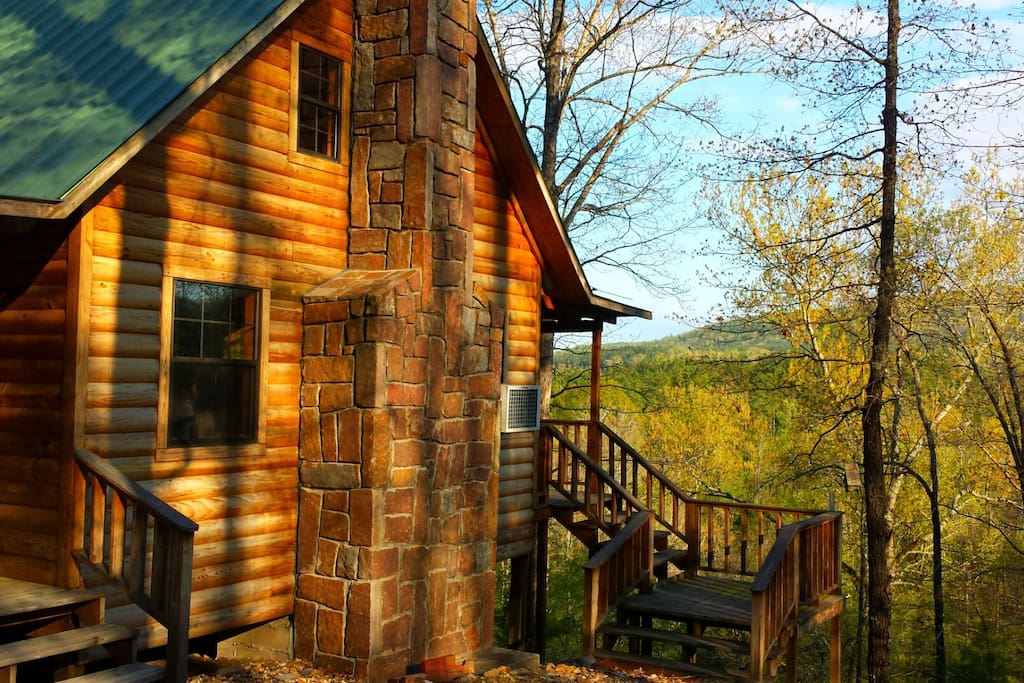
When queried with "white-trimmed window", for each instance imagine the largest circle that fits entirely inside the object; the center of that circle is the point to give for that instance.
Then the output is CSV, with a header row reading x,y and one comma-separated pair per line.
x,y
213,366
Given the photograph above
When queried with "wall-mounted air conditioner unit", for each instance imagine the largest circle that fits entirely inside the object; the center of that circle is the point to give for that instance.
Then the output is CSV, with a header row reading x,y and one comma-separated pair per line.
x,y
520,408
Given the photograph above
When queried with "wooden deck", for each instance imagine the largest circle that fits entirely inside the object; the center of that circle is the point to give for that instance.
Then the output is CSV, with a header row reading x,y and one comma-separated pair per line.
x,y
710,600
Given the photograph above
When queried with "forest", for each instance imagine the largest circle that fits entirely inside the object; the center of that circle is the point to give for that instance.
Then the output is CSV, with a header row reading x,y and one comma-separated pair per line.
x,y
765,408
866,231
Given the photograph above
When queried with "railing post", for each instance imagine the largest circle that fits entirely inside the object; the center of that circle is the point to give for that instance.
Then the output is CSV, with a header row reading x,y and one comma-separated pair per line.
x,y
178,608
77,518
591,610
757,638
542,478
692,538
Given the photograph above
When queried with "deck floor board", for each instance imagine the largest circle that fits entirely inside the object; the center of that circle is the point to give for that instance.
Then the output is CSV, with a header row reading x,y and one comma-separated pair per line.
x,y
708,599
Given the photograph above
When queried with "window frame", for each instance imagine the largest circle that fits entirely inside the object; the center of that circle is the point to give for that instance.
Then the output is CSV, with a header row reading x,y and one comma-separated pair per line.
x,y
306,157
166,451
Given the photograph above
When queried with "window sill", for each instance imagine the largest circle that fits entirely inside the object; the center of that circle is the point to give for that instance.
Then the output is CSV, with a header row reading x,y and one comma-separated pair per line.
x,y
318,161
185,453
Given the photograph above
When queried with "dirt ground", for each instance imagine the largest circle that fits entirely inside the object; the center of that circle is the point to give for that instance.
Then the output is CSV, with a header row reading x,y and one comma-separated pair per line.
x,y
228,671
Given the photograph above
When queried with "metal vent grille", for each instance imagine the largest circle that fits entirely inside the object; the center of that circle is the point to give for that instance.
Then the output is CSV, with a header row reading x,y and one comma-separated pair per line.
x,y
520,410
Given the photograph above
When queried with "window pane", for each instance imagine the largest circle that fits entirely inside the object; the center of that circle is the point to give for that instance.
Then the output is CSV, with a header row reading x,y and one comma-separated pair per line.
x,y
214,335
188,299
185,404
243,308
188,338
216,302
212,403
234,398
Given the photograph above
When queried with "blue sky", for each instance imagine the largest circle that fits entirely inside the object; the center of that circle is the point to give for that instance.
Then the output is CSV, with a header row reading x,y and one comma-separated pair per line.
x,y
747,100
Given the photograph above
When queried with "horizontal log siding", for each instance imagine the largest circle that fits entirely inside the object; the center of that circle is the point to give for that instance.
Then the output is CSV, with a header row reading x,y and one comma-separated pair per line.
x,y
31,372
506,266
217,192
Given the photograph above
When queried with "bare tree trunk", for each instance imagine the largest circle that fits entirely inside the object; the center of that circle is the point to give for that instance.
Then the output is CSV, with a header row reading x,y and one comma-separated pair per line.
x,y
554,98
937,597
875,497
932,490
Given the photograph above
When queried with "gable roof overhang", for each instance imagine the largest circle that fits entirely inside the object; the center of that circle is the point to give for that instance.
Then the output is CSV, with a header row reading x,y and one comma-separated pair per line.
x,y
148,108
569,303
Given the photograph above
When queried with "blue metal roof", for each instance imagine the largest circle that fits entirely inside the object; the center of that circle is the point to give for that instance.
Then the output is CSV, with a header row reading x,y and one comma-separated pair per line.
x,y
79,77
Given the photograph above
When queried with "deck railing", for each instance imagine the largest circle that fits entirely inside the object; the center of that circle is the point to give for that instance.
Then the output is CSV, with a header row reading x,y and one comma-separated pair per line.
x,y
720,536
622,565
115,521
635,474
581,480
802,569
734,538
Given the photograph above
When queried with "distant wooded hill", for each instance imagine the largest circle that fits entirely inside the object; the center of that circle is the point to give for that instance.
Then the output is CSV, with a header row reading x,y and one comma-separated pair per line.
x,y
735,339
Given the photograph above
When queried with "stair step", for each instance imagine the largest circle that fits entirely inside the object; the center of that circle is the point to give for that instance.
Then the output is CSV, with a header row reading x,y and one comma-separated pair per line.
x,y
128,673
25,602
560,502
667,555
75,640
660,635
609,659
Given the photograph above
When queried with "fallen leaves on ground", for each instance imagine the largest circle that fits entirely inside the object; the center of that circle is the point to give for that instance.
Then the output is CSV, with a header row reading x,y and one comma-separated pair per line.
x,y
266,671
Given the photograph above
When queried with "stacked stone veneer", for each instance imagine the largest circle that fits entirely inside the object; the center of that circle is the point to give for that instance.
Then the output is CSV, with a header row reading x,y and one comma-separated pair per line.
x,y
401,370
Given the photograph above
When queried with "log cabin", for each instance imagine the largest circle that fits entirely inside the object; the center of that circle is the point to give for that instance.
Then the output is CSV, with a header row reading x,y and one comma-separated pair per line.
x,y
275,278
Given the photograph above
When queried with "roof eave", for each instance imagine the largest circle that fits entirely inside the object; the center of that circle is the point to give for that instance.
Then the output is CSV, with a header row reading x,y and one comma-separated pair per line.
x,y
495,104
552,238
92,181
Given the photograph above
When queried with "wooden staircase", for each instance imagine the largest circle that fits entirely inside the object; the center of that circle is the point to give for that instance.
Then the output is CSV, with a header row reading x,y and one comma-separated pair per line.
x,y
718,590
125,541
50,634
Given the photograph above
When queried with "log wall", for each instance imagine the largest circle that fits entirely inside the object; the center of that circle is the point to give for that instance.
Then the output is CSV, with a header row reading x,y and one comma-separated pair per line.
x,y
506,265
217,196
31,373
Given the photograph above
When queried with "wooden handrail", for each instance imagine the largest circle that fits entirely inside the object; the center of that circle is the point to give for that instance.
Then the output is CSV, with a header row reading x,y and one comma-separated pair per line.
x,y
113,518
622,565
788,580
586,484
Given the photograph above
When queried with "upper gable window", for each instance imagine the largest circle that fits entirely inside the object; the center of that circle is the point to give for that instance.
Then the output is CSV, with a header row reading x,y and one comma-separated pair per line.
x,y
319,102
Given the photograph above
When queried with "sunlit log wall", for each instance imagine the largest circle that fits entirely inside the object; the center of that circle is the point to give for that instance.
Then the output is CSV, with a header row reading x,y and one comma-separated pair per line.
x,y
507,266
218,196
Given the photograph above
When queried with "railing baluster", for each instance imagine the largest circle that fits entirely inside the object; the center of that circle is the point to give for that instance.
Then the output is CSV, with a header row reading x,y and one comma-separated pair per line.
x,y
710,535
744,540
97,513
116,565
760,537
727,540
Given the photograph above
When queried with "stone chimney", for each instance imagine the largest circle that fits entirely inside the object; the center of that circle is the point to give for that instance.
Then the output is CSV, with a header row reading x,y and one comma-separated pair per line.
x,y
402,369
